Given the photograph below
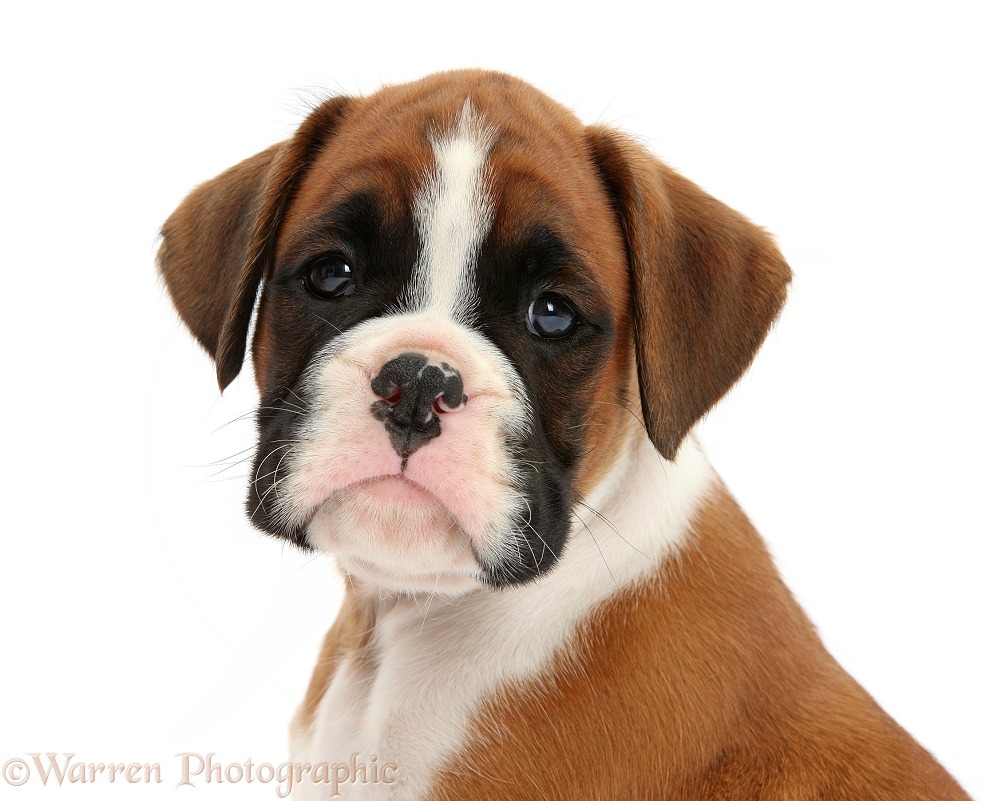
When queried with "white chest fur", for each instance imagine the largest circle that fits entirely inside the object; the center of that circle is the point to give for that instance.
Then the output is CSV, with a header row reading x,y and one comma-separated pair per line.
x,y
434,660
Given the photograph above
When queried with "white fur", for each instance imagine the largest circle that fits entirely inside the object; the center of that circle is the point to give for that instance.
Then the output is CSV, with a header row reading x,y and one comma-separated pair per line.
x,y
453,214
331,472
435,661
469,469
443,642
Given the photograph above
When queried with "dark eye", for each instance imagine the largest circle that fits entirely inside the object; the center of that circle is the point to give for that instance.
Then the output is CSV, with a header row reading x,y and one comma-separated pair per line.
x,y
550,317
328,276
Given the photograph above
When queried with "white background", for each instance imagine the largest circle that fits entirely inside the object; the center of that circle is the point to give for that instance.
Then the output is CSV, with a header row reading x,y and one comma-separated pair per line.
x,y
142,615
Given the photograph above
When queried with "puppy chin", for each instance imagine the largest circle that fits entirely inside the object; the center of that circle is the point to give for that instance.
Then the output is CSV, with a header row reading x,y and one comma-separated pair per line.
x,y
392,533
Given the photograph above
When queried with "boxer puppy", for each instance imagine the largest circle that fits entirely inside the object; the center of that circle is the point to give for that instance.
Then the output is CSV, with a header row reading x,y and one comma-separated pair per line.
x,y
484,332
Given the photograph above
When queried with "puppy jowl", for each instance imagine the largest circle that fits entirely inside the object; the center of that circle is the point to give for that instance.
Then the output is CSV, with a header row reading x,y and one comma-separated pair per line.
x,y
484,332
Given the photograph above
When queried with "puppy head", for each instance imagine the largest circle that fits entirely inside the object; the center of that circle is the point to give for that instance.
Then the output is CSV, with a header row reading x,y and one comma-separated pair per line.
x,y
463,290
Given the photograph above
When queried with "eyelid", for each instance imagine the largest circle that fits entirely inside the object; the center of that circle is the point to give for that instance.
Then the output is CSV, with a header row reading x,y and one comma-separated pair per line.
x,y
561,295
345,253
322,278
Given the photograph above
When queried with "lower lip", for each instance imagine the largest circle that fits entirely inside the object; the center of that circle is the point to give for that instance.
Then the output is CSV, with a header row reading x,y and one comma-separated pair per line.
x,y
396,489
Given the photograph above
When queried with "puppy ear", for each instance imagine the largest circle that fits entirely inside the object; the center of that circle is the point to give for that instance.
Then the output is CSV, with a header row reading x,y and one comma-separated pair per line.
x,y
219,242
707,285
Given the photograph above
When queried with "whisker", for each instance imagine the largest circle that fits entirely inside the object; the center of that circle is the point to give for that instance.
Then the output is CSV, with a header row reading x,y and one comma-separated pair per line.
x,y
528,544
548,548
235,420
329,323
274,450
276,470
223,460
573,427
528,523
599,550
316,556
255,481
295,395
582,502
290,405
230,466
277,409
626,408
427,609
262,498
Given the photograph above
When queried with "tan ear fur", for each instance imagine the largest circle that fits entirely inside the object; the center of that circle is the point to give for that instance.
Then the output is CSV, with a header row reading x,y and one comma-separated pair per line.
x,y
219,242
707,285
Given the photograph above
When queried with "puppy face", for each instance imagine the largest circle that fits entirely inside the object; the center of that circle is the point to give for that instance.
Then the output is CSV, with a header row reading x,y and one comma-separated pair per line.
x,y
456,275
447,252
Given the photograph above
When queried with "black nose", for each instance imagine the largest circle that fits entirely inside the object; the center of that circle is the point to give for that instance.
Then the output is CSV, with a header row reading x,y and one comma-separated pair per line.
x,y
414,393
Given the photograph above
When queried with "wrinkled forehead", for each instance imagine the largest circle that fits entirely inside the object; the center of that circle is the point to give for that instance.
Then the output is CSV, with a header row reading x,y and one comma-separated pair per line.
x,y
460,166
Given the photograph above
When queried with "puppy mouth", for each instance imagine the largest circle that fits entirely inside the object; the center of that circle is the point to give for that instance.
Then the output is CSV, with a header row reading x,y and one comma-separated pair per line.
x,y
392,531
397,489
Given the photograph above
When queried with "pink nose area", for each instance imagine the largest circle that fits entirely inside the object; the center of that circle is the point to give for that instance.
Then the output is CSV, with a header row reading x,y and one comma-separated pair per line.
x,y
413,393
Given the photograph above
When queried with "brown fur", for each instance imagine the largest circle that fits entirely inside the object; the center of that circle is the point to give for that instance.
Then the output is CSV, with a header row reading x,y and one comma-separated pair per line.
x,y
349,635
219,242
706,284
541,161
707,684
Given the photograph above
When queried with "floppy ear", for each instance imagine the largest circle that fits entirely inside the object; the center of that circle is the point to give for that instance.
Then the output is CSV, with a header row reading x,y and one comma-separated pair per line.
x,y
707,285
219,242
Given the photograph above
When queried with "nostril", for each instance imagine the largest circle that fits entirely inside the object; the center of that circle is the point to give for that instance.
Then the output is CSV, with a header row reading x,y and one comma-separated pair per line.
x,y
393,397
389,391
440,405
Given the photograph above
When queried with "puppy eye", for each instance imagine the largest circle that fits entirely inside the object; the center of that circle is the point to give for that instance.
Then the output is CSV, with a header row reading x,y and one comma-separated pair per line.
x,y
550,317
328,276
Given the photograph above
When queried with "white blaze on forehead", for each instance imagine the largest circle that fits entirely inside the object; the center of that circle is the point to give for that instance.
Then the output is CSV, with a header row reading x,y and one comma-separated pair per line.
x,y
453,214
